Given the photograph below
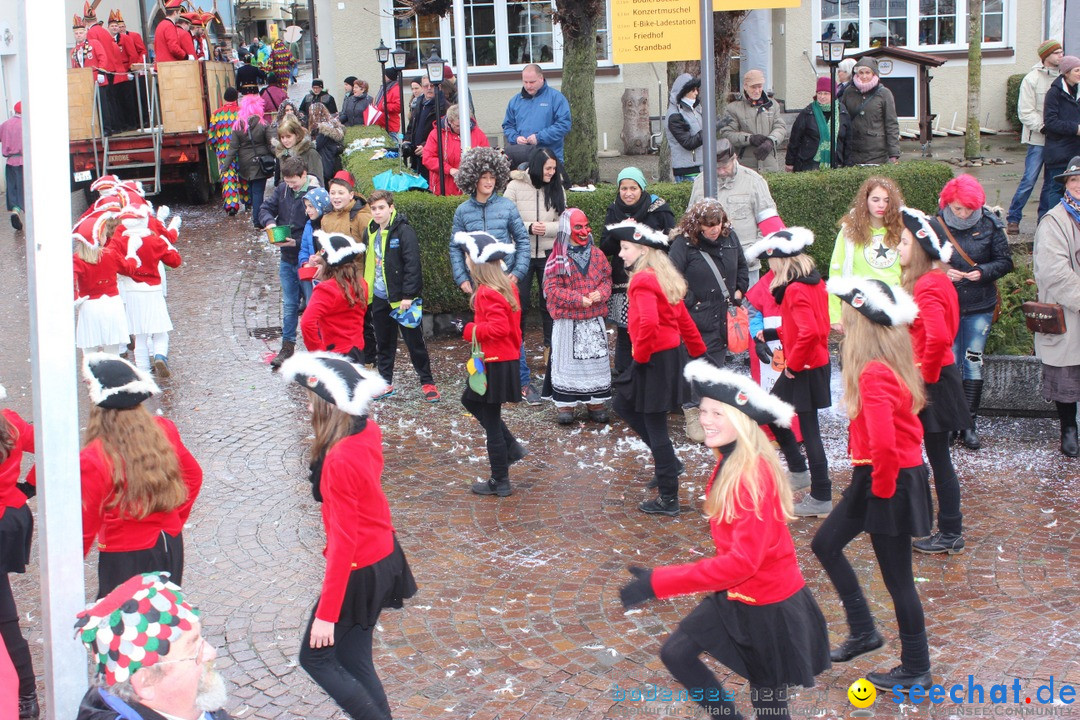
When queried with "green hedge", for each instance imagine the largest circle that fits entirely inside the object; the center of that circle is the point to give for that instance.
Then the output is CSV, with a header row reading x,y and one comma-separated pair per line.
x,y
1009,335
359,162
1012,95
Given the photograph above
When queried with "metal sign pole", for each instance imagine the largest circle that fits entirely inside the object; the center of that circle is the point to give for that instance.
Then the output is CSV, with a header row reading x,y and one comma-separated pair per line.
x,y
464,116
708,101
52,341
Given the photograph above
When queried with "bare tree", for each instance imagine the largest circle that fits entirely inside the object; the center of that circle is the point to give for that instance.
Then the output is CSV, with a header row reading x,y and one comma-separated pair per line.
x,y
577,19
975,33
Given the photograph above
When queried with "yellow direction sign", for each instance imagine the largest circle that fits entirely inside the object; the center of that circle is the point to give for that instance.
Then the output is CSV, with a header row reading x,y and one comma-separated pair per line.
x,y
724,5
655,30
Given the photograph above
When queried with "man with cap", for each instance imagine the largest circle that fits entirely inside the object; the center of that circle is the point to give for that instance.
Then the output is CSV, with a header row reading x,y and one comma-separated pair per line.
x,y
754,126
1061,129
91,53
110,68
875,130
249,76
197,19
317,94
167,47
1029,108
183,33
538,115
148,656
746,198
12,147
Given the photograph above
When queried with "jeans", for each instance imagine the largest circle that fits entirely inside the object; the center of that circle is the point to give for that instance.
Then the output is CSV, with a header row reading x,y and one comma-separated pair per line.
x,y
290,299
1033,163
970,343
258,192
13,175
1052,190
535,270
686,178
386,337
346,671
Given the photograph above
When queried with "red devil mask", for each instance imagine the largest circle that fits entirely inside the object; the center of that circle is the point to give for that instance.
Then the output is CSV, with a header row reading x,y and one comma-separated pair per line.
x,y
579,227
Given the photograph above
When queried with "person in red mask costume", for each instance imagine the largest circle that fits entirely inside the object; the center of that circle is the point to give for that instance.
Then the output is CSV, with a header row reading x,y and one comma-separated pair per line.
x,y
577,285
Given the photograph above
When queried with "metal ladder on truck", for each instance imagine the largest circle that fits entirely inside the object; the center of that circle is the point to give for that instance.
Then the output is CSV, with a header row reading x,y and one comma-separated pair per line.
x,y
110,160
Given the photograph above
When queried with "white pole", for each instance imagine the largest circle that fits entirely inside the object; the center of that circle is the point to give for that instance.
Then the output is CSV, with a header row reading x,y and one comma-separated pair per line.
x,y
708,101
52,344
464,106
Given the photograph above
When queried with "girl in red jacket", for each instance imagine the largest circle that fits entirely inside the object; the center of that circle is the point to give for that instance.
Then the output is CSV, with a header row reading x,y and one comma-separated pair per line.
x,y
759,619
658,323
496,327
804,334
334,318
16,533
139,481
366,570
924,256
889,494
102,322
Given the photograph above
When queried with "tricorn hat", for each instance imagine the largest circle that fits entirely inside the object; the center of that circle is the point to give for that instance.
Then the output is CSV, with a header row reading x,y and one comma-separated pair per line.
x,y
788,242
338,247
639,233
483,247
116,384
880,303
343,384
928,232
738,391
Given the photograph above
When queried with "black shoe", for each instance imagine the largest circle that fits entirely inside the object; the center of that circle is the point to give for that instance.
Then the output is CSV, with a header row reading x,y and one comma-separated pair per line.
x,y
1068,442
231,211
661,506
493,487
857,646
529,395
900,679
970,439
288,347
515,452
28,706
655,482
16,222
940,542
599,415
565,416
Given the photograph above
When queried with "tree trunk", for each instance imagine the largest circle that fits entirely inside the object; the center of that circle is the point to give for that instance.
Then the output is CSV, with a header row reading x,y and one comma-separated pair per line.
x,y
674,70
975,32
578,85
726,26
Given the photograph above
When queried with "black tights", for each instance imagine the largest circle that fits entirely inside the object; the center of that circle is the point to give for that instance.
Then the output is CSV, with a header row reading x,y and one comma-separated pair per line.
x,y
346,672
1066,414
652,428
893,554
681,655
820,485
950,519
498,435
16,644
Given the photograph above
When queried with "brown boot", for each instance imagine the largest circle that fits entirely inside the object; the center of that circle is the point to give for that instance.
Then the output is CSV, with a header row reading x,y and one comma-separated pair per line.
x,y
288,347
1012,229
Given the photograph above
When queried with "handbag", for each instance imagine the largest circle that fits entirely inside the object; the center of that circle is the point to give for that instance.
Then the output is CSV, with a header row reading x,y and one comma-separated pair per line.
x,y
475,366
973,264
1046,318
738,319
618,308
267,163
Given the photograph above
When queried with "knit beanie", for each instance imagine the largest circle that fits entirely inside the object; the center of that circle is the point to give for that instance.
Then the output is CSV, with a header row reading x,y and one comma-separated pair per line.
x,y
824,84
867,62
1068,62
319,199
1047,48
632,173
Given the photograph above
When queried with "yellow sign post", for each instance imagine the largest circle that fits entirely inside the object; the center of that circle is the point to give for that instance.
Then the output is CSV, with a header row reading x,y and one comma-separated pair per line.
x,y
655,30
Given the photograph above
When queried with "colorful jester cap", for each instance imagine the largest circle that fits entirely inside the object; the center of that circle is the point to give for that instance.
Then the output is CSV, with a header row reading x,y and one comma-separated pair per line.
x,y
133,626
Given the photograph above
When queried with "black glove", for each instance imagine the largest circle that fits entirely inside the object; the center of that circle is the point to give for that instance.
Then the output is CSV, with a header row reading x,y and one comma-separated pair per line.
x,y
757,139
27,489
639,589
764,149
764,354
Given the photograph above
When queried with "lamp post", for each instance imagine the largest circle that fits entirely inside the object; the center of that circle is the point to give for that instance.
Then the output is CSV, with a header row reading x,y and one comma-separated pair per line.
x,y
434,70
400,57
382,55
832,52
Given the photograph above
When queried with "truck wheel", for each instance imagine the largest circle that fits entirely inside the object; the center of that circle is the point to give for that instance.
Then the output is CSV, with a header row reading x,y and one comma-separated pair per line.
x,y
198,187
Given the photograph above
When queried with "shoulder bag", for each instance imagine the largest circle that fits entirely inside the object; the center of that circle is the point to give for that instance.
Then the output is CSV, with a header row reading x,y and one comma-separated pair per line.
x,y
973,264
267,163
475,366
738,319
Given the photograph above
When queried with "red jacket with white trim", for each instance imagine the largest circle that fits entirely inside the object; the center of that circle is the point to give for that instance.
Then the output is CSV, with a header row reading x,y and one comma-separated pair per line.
x,y
498,328
804,325
886,434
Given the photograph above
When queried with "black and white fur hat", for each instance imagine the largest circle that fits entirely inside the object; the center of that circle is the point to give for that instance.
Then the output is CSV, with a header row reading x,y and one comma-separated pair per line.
x,y
928,232
738,391
636,232
483,247
343,384
116,384
338,247
881,303
788,242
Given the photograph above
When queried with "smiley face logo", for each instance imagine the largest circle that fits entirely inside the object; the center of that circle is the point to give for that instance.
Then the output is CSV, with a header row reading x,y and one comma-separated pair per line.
x,y
861,693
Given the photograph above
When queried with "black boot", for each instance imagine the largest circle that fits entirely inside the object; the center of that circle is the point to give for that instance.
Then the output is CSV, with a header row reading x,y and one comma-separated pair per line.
x,y
1069,443
661,505
288,347
28,706
857,646
899,678
973,392
914,667
500,487
655,482
515,451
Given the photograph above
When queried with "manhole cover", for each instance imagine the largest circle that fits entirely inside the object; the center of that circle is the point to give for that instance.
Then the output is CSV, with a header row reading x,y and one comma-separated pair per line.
x,y
266,333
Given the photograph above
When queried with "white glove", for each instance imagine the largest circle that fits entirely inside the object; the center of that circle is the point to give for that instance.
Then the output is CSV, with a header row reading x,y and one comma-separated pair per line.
x,y
131,76
162,212
100,79
174,224
80,300
190,57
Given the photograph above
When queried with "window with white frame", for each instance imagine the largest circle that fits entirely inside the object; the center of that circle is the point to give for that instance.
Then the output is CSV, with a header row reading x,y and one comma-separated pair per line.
x,y
500,35
917,24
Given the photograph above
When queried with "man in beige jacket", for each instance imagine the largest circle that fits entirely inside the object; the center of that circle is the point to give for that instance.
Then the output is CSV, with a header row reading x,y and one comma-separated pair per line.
x,y
754,126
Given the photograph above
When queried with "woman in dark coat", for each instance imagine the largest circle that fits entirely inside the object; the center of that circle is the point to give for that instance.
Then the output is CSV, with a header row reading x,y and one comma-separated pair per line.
x,y
355,105
805,149
250,140
1061,118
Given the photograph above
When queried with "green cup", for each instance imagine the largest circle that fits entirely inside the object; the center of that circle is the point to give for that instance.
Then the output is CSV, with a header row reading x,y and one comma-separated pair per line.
x,y
278,233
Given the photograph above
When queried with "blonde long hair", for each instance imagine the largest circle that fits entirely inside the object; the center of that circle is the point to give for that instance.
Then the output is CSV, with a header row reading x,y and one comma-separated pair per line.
x,y
856,223
742,470
145,470
919,263
8,437
330,425
864,341
491,274
671,280
787,269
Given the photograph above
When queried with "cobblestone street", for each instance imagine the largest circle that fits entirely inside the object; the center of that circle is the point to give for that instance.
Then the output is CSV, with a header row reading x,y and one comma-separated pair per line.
x,y
518,613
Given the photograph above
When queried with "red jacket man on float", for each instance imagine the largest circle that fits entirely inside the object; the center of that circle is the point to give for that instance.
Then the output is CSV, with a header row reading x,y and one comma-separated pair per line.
x,y
167,47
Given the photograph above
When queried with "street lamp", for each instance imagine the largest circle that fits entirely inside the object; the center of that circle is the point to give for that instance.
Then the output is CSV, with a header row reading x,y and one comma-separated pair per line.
x,y
400,57
434,70
832,52
382,56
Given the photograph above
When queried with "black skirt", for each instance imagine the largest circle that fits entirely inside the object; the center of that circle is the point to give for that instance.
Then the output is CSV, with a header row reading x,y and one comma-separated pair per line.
x,y
908,512
784,643
385,584
116,568
655,386
808,390
16,534
503,383
946,407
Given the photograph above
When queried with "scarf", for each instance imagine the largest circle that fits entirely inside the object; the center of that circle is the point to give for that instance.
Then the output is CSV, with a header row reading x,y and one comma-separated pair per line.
x,y
957,223
823,155
638,210
1072,206
865,87
580,254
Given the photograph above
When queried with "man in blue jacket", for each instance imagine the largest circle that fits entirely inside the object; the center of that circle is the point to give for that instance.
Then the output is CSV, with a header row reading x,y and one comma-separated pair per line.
x,y
539,115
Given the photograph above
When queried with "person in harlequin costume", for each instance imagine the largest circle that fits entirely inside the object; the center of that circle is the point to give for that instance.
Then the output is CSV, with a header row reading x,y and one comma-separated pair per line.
x,y
234,189
659,325
102,322
334,318
924,256
149,659
280,62
759,618
366,570
16,533
889,495
167,46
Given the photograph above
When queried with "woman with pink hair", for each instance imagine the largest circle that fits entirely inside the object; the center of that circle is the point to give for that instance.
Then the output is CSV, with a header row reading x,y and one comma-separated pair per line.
x,y
249,143
981,256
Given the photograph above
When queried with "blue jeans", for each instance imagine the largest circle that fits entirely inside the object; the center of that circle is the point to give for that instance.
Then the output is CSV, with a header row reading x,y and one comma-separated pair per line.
x,y
523,367
290,299
1033,163
1052,190
258,191
13,175
970,343
686,178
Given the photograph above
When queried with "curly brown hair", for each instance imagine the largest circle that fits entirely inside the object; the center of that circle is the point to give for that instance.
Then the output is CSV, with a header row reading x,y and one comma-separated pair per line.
x,y
706,212
478,161
856,222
